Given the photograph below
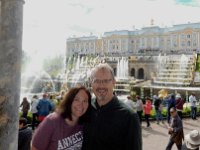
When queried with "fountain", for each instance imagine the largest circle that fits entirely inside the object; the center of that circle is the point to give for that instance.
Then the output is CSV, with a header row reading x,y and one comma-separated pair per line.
x,y
37,83
35,80
81,66
123,80
122,69
175,70
80,69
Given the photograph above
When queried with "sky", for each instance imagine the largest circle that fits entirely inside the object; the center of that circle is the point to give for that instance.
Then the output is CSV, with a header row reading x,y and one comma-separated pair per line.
x,y
48,23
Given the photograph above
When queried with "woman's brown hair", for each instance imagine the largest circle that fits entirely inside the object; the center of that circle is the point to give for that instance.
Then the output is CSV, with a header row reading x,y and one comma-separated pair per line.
x,y
65,106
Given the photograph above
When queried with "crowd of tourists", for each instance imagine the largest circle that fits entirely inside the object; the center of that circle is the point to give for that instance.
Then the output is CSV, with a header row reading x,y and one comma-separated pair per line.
x,y
76,121
158,103
174,109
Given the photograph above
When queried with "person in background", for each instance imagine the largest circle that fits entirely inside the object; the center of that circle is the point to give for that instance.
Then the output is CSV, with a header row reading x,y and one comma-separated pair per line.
x,y
44,107
158,109
175,130
113,125
25,107
171,102
139,107
62,93
192,100
34,111
62,129
25,135
130,103
53,101
192,141
179,105
147,110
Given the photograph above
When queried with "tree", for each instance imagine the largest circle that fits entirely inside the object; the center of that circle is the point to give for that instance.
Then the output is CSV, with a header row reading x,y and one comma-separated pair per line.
x,y
54,65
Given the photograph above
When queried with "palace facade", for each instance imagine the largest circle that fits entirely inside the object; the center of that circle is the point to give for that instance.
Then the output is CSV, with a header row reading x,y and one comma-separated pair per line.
x,y
152,40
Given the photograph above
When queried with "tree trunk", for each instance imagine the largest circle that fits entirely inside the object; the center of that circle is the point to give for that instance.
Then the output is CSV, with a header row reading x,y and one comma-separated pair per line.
x,y
11,18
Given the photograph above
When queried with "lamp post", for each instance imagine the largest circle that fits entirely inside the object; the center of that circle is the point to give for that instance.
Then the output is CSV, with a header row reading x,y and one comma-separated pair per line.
x,y
142,92
151,93
186,96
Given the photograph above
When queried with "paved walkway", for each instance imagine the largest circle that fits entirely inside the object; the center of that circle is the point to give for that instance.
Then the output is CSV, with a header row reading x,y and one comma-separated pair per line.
x,y
156,137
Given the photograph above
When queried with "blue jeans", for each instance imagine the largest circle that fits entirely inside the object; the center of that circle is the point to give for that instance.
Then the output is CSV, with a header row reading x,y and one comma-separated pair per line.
x,y
159,115
168,116
193,112
34,120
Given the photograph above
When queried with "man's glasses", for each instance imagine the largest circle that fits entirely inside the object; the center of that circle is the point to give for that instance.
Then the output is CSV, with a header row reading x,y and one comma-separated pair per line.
x,y
104,81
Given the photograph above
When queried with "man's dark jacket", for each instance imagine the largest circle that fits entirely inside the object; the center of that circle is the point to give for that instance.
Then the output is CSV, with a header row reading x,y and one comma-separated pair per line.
x,y
112,127
24,138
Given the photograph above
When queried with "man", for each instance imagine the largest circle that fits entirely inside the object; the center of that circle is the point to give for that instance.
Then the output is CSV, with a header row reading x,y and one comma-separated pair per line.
x,y
170,103
158,109
34,111
113,126
139,107
192,100
175,130
25,135
130,103
44,107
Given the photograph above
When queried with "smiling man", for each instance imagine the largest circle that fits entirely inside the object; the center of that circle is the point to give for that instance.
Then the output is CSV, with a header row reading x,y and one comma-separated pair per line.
x,y
113,125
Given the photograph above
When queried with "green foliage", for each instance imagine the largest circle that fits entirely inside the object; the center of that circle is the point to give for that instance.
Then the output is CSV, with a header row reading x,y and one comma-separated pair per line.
x,y
186,110
198,63
53,66
152,113
198,109
164,112
29,116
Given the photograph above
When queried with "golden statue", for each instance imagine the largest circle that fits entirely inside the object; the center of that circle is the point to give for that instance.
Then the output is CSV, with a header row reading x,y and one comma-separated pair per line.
x,y
162,93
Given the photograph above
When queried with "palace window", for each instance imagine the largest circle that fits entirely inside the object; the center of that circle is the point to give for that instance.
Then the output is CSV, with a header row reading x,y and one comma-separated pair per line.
x,y
188,43
194,36
182,43
182,36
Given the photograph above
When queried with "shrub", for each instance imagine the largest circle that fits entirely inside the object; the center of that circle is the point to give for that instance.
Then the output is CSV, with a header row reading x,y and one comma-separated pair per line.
x,y
186,111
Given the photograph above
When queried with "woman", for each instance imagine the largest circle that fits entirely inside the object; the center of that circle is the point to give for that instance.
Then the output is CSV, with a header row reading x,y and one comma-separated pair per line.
x,y
147,110
25,107
63,128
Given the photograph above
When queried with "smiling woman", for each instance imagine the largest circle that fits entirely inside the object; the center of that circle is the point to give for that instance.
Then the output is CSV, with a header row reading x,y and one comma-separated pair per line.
x,y
63,128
